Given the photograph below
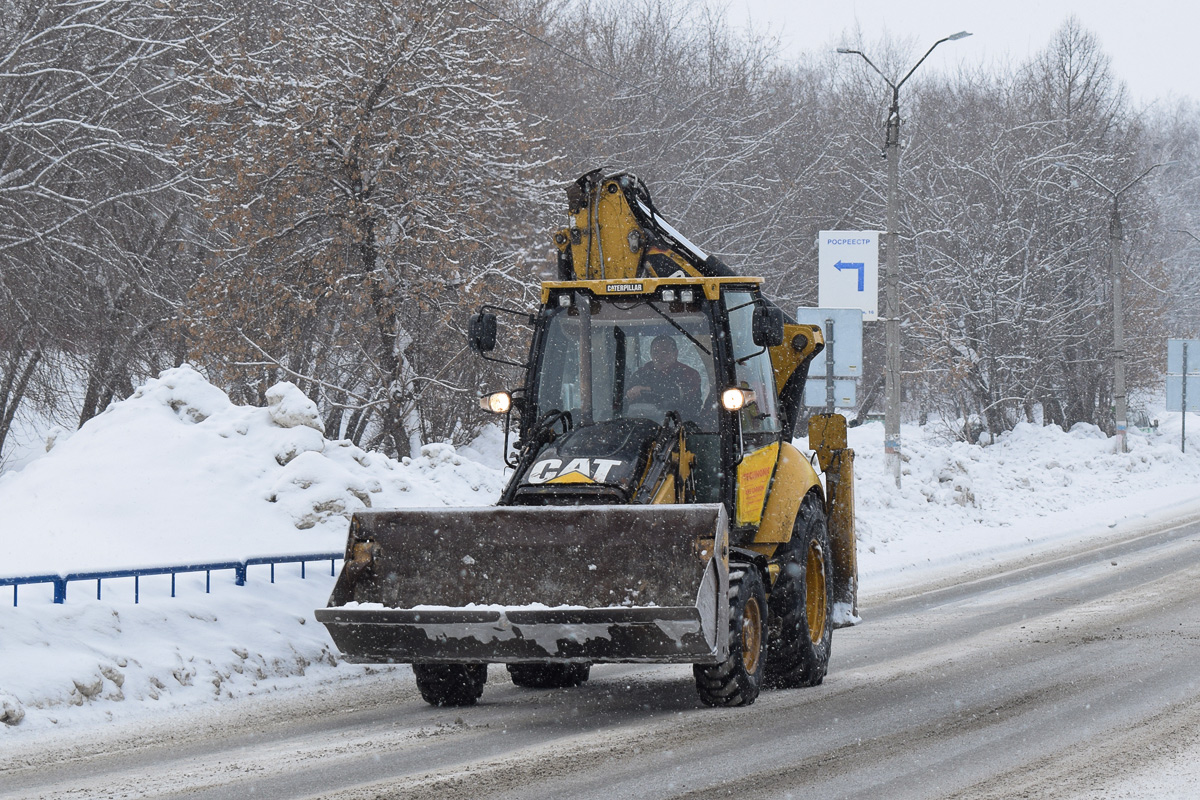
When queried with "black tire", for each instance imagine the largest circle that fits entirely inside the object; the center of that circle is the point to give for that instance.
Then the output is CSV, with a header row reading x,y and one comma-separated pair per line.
x,y
737,680
450,684
549,676
801,607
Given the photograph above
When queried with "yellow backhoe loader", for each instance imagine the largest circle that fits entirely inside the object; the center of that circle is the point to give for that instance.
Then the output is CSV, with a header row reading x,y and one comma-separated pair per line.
x,y
657,511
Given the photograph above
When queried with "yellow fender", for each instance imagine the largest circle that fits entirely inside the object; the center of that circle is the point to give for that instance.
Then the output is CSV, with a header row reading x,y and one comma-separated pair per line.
x,y
793,479
827,436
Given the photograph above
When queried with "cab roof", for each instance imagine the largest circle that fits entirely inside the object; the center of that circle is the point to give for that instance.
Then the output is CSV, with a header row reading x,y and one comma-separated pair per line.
x,y
645,286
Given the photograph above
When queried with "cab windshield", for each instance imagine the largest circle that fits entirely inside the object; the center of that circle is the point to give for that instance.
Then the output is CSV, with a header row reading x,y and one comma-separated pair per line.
x,y
623,360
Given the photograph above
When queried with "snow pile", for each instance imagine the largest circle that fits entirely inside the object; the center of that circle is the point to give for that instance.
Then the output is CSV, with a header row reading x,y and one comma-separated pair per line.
x,y
178,473
288,407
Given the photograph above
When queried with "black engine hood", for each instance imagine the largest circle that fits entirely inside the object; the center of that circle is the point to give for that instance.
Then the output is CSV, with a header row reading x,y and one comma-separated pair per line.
x,y
611,453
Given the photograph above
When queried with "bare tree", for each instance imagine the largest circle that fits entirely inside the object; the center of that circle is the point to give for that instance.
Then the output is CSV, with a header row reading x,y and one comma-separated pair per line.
x,y
1011,296
84,91
358,162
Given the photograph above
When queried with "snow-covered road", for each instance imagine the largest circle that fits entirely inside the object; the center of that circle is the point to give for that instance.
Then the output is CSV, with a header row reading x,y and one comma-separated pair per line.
x,y
1071,676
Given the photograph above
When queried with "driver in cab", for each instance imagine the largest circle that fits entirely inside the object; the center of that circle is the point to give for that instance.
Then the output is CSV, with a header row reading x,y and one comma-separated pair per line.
x,y
664,382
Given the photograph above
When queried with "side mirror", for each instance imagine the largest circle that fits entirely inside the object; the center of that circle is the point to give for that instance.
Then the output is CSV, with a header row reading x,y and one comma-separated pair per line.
x,y
767,326
481,333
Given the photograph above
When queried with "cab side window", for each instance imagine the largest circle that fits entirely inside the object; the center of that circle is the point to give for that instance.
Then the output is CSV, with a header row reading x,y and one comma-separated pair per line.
x,y
753,371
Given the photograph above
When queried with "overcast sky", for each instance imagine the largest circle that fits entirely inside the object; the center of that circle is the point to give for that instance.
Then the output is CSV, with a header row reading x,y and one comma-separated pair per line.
x,y
1153,43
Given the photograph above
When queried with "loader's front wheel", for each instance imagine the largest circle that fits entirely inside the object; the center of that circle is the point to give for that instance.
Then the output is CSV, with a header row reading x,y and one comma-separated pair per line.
x,y
450,684
802,614
549,676
737,680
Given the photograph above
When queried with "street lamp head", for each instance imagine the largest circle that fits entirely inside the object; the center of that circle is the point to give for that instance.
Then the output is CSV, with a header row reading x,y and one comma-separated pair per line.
x,y
950,38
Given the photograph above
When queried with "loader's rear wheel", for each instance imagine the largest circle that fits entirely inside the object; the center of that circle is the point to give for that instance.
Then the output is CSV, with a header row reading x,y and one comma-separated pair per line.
x,y
737,680
450,684
549,676
801,611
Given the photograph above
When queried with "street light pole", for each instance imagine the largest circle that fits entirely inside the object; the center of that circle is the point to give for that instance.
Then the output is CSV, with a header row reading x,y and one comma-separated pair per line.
x,y
891,279
891,284
1116,234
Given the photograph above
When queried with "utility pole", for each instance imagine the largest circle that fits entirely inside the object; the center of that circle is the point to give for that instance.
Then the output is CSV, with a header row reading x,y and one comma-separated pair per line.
x,y
1116,234
891,278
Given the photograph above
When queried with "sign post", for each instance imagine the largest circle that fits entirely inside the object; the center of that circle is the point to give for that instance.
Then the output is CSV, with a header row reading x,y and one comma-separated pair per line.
x,y
1183,379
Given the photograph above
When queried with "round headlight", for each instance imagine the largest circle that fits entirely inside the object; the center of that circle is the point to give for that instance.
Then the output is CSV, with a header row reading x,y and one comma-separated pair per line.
x,y
496,402
733,399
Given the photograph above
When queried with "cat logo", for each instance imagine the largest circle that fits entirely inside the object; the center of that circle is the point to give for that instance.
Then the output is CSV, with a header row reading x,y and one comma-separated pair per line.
x,y
578,470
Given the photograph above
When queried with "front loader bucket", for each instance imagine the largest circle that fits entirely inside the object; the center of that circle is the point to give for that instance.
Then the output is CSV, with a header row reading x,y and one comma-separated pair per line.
x,y
534,584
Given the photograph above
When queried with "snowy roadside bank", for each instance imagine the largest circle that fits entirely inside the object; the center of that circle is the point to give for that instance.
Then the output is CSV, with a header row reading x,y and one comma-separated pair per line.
x,y
962,507
180,473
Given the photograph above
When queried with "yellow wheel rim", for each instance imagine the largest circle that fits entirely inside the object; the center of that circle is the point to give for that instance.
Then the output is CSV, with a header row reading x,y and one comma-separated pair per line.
x,y
751,635
814,592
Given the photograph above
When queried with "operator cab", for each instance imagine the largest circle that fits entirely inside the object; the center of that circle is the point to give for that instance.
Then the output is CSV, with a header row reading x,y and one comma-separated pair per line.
x,y
599,360
616,373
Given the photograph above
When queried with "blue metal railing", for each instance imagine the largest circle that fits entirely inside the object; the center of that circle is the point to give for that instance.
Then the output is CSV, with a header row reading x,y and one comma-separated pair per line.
x,y
239,570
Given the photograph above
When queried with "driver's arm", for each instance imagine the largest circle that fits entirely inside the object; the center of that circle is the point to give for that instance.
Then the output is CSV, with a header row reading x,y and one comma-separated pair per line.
x,y
640,387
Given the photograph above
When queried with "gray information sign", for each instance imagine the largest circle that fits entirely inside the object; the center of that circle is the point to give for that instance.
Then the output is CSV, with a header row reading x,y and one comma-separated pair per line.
x,y
1175,357
847,345
1175,391
844,394
842,328
1179,351
1183,380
